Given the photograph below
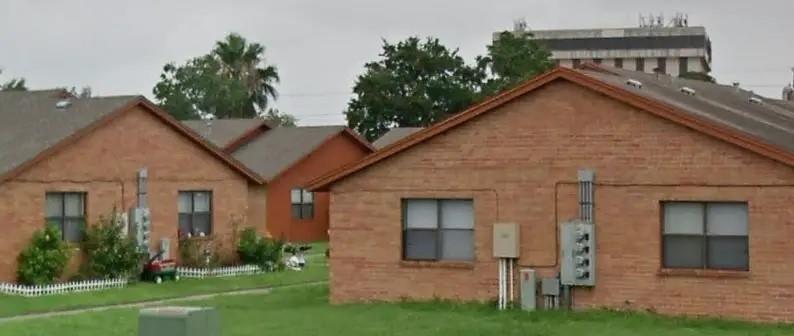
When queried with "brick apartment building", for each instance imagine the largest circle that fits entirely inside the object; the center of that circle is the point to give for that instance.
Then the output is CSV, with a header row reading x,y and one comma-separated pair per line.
x,y
693,197
287,158
67,161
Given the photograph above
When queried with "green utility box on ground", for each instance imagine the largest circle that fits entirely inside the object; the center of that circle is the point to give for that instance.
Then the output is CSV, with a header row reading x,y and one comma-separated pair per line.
x,y
179,321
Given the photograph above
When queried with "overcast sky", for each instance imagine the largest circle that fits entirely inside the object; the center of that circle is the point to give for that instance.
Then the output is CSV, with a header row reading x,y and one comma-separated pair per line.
x,y
319,47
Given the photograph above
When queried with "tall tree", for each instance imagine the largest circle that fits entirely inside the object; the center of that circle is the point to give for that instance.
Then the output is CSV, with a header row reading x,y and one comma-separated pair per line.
x,y
276,118
418,82
14,84
232,81
513,58
414,83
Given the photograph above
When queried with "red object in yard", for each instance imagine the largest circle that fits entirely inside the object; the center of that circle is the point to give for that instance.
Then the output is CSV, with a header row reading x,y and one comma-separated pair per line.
x,y
157,266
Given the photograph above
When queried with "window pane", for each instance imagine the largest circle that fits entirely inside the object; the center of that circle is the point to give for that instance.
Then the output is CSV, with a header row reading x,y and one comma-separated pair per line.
x,y
728,252
420,244
421,214
308,211
457,214
185,202
295,196
727,219
201,201
296,211
57,223
201,224
308,196
73,230
54,204
683,218
184,224
683,251
457,244
73,205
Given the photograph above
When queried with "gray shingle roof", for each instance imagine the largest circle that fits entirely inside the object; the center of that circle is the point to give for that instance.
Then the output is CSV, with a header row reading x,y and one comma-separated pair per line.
x,y
394,135
772,121
281,147
222,131
30,122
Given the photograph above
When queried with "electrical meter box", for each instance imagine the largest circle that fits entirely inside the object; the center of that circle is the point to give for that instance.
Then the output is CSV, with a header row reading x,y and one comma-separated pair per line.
x,y
577,253
179,321
505,240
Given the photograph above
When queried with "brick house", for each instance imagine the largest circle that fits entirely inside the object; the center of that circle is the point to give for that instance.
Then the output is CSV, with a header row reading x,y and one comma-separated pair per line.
x,y
287,158
694,186
67,161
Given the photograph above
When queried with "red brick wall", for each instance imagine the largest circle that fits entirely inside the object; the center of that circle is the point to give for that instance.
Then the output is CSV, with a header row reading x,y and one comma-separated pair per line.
x,y
104,164
334,153
518,163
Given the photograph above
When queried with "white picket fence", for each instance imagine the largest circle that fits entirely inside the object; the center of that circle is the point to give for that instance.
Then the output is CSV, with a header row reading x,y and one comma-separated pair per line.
x,y
61,288
200,273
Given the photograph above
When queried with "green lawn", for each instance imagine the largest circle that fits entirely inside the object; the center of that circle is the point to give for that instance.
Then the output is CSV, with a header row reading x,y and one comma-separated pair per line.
x,y
305,311
15,305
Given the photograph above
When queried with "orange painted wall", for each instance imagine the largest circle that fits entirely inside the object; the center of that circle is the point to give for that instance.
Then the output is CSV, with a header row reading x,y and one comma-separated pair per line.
x,y
334,153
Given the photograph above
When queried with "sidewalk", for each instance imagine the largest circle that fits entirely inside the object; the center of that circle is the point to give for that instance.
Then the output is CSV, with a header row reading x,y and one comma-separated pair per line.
x,y
142,304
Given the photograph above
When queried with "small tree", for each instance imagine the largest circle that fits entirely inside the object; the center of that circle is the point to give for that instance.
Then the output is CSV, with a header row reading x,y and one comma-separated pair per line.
x,y
257,250
44,259
109,253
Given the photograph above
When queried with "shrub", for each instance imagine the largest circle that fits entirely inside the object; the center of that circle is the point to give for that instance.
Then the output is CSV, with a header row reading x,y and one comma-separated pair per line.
x,y
257,250
44,259
198,252
109,253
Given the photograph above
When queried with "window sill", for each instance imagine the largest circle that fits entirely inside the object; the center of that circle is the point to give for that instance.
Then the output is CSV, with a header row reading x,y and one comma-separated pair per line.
x,y
437,264
704,273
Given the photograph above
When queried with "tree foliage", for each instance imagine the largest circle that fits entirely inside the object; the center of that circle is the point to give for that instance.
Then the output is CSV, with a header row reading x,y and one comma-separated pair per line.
x,y
232,81
414,83
417,82
14,84
276,118
44,259
109,253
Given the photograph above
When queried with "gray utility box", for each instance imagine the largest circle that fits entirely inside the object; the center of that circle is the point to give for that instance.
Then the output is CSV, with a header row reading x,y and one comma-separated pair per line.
x,y
528,289
577,253
179,321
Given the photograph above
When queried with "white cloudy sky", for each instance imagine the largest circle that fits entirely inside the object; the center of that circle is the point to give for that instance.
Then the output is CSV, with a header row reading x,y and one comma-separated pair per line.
x,y
119,47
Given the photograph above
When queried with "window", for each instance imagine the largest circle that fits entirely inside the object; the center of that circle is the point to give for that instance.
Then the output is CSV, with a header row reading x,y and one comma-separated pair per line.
x,y
438,229
302,204
661,65
683,66
576,63
597,60
195,213
709,235
66,211
619,63
640,64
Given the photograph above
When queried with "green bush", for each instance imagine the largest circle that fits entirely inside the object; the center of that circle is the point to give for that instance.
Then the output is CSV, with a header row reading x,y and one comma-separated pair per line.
x,y
109,253
43,260
199,252
257,250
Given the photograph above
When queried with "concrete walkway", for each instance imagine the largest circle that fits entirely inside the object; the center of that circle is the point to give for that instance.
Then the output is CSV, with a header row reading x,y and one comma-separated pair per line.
x,y
143,304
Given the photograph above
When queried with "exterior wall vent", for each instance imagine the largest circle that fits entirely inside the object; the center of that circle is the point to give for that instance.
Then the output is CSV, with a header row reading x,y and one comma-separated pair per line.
x,y
633,82
688,90
756,100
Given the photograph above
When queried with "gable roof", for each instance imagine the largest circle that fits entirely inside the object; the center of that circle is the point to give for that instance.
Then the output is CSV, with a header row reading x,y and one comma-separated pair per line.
x,y
724,119
393,135
277,149
32,128
224,132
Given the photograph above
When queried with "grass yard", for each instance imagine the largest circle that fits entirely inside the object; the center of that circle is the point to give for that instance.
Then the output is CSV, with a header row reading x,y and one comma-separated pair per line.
x,y
14,305
305,311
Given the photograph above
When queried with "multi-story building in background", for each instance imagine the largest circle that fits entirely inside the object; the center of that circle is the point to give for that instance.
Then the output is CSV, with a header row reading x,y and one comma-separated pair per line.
x,y
653,47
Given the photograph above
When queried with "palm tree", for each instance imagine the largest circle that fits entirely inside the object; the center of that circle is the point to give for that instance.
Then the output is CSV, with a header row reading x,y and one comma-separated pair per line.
x,y
245,63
